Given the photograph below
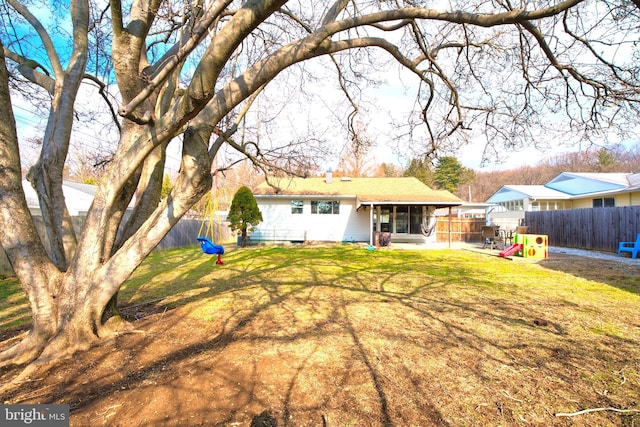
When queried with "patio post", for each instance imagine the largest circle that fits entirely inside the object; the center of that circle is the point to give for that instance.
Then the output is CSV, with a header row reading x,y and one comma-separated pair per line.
x,y
371,224
449,227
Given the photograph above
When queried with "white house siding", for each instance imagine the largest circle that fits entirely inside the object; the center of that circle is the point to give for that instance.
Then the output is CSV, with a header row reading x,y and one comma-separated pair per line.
x,y
348,225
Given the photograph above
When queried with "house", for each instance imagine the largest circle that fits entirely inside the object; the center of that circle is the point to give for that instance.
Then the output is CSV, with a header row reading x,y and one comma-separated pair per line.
x,y
596,190
348,209
78,197
568,190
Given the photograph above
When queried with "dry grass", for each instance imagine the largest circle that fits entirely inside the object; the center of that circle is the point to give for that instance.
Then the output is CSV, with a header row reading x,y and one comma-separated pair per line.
x,y
365,338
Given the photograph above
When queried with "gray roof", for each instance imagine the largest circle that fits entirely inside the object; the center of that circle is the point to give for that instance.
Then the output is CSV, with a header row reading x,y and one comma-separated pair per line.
x,y
78,197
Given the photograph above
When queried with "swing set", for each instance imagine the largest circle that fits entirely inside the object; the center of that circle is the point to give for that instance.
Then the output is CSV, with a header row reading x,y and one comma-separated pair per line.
x,y
206,239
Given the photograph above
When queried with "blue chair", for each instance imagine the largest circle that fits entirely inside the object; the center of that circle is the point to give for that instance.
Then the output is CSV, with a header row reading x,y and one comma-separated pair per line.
x,y
633,247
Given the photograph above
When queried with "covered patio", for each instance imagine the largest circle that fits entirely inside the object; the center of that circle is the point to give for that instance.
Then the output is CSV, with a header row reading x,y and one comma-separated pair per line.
x,y
403,222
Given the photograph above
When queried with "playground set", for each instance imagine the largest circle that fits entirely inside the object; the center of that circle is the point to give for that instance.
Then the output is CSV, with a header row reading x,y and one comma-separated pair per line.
x,y
528,246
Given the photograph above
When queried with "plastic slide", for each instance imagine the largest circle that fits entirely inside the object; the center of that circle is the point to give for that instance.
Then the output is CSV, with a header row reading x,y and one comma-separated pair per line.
x,y
511,250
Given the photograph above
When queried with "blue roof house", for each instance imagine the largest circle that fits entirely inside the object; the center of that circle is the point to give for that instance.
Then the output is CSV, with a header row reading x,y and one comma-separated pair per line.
x,y
569,190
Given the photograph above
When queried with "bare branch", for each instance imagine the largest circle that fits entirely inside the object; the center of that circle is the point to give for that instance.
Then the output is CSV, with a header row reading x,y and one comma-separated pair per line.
x,y
334,11
175,56
101,90
42,32
28,68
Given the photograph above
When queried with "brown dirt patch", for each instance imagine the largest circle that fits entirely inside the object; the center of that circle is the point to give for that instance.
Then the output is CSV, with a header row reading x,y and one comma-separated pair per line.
x,y
284,355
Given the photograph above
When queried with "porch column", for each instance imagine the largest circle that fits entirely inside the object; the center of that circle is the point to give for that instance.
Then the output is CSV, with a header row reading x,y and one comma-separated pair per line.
x,y
371,225
449,227
393,219
425,219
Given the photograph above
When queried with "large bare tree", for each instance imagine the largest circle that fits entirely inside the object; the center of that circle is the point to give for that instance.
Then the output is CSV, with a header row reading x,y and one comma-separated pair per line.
x,y
192,70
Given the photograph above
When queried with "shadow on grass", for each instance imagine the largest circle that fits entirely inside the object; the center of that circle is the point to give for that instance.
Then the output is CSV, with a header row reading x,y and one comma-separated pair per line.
x,y
620,275
343,336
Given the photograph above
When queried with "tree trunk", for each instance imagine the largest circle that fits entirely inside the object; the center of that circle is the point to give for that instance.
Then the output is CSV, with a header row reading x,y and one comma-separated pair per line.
x,y
67,306
38,276
46,174
68,298
243,236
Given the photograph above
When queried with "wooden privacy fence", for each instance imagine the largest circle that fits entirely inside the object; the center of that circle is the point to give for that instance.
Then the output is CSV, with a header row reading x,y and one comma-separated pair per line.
x,y
183,234
597,228
462,229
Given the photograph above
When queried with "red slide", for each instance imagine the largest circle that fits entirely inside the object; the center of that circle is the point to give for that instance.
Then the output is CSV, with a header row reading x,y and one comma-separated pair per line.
x,y
511,250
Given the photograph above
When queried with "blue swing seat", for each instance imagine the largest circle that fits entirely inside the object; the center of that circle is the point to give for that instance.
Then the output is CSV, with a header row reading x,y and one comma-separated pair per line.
x,y
208,247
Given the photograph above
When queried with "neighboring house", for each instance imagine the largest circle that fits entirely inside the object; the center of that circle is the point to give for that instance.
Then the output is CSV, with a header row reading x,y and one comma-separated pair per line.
x,y
348,209
78,197
596,190
566,191
466,210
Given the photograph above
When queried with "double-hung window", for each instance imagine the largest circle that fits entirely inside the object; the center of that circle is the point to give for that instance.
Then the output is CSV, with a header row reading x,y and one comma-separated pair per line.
x,y
604,202
297,206
325,207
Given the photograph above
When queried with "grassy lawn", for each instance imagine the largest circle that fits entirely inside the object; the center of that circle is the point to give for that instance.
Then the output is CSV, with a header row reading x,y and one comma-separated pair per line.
x,y
358,337
14,311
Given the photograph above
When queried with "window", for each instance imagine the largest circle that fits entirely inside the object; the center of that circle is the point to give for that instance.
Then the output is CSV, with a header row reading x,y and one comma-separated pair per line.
x,y
604,202
325,207
385,219
415,222
296,206
402,219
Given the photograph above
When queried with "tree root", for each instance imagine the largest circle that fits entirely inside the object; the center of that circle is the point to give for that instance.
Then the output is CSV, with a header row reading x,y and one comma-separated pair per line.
x,y
114,326
24,351
22,382
586,411
9,342
40,355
